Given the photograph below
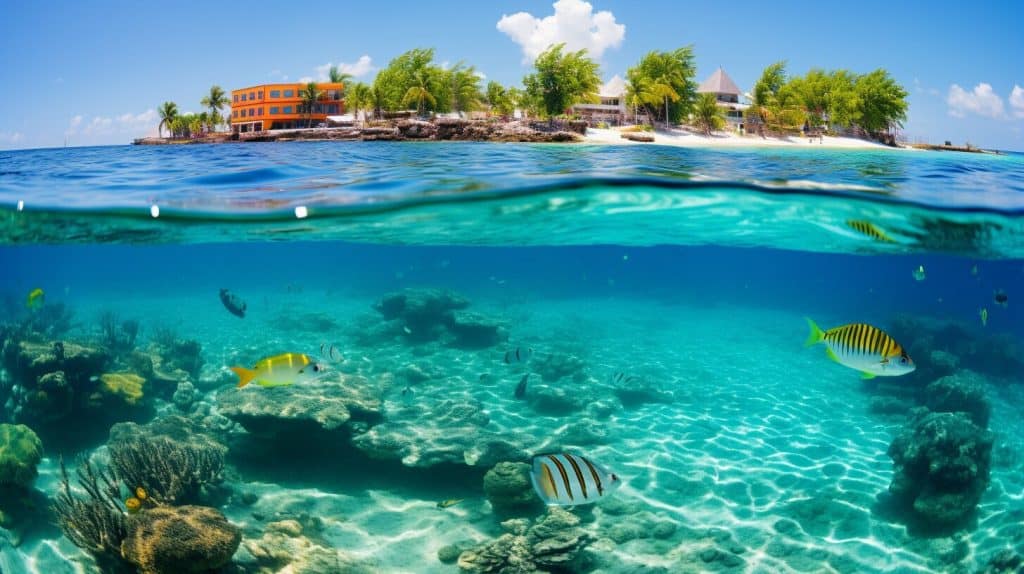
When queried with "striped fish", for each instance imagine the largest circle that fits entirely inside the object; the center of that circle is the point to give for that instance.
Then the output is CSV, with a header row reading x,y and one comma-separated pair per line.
x,y
869,229
864,348
570,479
278,371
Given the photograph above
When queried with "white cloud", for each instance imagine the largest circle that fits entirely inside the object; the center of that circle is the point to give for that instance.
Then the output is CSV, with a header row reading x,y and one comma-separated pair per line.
x,y
305,79
614,87
361,67
11,137
1017,101
981,101
128,123
574,22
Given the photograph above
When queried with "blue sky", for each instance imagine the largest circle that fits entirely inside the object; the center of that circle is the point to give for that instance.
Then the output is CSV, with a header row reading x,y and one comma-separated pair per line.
x,y
95,71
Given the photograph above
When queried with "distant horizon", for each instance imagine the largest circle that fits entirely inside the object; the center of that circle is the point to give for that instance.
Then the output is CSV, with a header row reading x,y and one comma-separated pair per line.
x,y
99,93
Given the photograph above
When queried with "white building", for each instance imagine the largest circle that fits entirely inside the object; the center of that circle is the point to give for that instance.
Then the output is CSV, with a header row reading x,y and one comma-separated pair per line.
x,y
727,95
611,110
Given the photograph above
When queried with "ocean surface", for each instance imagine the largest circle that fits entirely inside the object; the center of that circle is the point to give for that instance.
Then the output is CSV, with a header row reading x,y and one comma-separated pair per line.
x,y
657,298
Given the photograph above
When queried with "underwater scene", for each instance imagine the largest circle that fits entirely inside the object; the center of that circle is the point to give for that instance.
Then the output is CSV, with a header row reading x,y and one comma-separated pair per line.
x,y
510,358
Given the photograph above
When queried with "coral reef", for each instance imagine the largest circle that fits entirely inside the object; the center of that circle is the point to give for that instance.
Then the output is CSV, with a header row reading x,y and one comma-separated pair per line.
x,y
939,347
941,465
118,336
127,387
963,392
96,523
425,315
182,539
509,489
1004,562
553,542
320,406
171,472
20,453
184,396
284,549
554,366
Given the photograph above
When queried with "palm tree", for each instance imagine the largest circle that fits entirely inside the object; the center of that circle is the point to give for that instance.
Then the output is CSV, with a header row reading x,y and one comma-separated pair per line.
x,y
360,97
661,91
707,115
465,87
338,77
420,92
168,111
310,96
215,101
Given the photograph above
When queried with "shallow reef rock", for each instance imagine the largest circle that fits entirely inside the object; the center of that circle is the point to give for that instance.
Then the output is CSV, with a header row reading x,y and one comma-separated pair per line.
x,y
20,453
284,549
323,406
553,543
939,347
52,379
428,433
1004,562
941,465
182,539
962,392
425,315
509,489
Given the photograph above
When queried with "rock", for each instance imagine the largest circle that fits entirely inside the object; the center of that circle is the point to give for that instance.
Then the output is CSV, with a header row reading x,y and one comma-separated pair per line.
x,y
554,366
637,391
417,129
638,136
472,330
52,399
182,539
553,543
509,489
1003,562
886,405
179,429
450,553
284,549
28,361
556,400
961,392
321,406
184,396
941,463
430,432
20,453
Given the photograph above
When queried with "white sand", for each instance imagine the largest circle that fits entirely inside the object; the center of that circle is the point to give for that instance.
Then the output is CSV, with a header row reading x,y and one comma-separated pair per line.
x,y
685,138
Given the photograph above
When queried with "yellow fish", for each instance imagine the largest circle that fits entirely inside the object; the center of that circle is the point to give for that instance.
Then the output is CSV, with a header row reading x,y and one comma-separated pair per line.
x,y
278,371
133,505
864,348
869,229
984,317
449,503
36,298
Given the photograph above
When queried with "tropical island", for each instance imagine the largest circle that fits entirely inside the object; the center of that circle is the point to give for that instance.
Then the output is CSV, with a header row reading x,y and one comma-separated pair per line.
x,y
415,98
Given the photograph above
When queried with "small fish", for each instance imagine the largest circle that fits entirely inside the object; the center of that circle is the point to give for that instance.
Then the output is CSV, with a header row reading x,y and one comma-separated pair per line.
x,y
407,330
521,387
407,391
918,273
864,348
518,355
133,505
278,371
1001,298
974,270
36,298
141,493
619,378
233,303
449,503
984,317
869,229
331,352
570,479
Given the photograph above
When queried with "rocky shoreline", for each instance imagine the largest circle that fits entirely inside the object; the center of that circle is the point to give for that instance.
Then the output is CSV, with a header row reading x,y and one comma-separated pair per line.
x,y
408,130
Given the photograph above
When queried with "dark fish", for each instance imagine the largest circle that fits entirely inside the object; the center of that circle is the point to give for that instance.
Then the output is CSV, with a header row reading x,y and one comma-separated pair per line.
x,y
622,378
331,353
567,479
521,387
1001,297
518,355
407,391
233,303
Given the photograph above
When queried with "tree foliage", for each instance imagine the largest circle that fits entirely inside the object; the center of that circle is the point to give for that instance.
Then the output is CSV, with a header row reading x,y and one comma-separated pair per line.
x,y
561,79
413,69
464,87
882,101
501,100
707,115
310,95
663,84
168,111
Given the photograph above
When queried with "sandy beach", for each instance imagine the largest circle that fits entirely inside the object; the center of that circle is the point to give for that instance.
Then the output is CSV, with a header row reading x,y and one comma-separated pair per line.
x,y
685,138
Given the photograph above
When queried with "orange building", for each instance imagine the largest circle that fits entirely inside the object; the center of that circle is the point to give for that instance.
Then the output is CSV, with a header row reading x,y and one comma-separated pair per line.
x,y
279,106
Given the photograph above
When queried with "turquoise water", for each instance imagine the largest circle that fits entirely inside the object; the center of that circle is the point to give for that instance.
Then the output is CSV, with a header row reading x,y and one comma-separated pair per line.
x,y
687,271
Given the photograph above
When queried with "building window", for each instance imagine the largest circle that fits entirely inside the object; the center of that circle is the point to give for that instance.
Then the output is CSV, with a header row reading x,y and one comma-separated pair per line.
x,y
252,112
259,112
243,97
234,113
274,110
236,97
287,109
261,94
275,93
252,95
289,93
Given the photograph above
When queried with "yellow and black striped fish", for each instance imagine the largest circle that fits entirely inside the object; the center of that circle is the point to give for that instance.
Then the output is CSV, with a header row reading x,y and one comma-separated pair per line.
x,y
869,229
278,371
864,348
570,479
